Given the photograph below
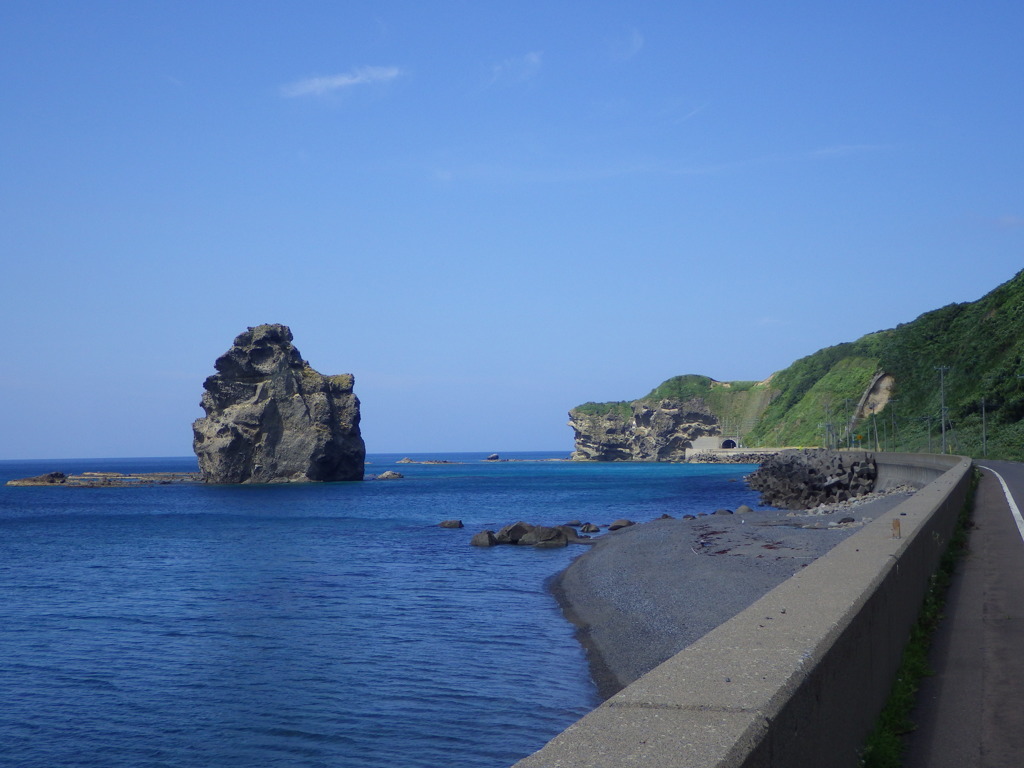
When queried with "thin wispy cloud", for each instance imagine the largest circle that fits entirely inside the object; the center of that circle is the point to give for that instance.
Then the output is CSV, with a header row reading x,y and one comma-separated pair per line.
x,y
1010,222
504,172
318,86
843,150
601,169
692,113
518,69
824,153
629,46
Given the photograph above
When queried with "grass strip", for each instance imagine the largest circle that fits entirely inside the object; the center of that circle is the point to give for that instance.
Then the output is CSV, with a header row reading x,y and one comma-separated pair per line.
x,y
884,746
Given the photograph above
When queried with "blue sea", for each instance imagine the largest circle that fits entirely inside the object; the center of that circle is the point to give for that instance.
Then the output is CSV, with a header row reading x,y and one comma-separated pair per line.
x,y
318,625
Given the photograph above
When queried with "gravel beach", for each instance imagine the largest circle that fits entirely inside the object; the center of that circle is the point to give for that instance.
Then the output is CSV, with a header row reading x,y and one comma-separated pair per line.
x,y
645,592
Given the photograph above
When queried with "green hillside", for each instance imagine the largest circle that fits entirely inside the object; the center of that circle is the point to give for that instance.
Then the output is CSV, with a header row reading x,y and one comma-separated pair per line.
x,y
821,398
982,344
816,391
735,403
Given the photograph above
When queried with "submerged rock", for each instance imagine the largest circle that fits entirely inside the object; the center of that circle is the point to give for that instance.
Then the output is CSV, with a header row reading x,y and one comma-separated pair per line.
x,y
271,418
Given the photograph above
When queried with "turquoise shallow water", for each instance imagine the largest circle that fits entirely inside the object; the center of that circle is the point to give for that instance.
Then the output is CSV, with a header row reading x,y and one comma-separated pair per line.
x,y
303,625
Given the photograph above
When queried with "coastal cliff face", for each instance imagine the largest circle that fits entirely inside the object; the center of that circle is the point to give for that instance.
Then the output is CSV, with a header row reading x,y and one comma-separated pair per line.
x,y
641,431
962,361
271,418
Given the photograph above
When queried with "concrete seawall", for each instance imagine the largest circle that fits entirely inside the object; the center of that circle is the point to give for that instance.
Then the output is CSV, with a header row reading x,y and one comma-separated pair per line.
x,y
799,677
917,469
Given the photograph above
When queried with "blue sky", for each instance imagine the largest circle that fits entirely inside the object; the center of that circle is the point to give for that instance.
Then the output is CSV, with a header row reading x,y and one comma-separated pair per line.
x,y
488,212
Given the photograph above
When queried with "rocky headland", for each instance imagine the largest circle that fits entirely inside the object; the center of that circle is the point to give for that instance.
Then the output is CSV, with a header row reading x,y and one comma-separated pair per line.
x,y
271,418
682,416
641,431
844,395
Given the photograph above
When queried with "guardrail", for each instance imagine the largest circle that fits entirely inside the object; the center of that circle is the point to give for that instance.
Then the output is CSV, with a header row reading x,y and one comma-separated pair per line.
x,y
799,677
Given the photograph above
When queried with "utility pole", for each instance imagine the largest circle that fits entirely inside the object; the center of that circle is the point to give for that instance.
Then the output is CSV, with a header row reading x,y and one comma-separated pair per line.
x,y
942,399
984,443
849,423
830,435
892,418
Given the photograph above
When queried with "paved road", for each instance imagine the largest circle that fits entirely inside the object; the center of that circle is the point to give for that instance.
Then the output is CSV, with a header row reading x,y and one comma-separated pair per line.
x,y
971,712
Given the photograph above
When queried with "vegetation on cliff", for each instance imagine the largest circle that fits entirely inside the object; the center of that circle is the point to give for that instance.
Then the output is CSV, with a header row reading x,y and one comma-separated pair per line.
x,y
816,391
619,408
884,391
731,400
981,344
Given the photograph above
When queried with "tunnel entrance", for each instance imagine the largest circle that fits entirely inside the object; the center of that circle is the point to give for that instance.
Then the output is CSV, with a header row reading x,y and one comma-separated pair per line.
x,y
728,443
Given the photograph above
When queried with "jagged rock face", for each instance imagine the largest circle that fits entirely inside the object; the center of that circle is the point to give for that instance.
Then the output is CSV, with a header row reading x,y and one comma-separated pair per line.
x,y
271,418
650,432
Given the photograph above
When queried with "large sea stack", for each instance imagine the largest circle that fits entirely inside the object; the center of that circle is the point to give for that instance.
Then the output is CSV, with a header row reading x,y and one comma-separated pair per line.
x,y
271,418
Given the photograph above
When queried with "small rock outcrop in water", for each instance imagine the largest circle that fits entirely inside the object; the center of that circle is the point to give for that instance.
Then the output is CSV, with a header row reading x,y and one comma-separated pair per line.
x,y
108,479
271,418
50,478
525,534
805,479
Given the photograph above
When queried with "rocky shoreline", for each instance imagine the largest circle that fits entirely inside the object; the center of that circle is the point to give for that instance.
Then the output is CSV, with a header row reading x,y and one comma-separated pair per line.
x,y
641,594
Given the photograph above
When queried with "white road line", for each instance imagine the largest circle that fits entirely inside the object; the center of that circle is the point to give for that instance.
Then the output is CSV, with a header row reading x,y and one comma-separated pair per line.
x,y
1009,498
